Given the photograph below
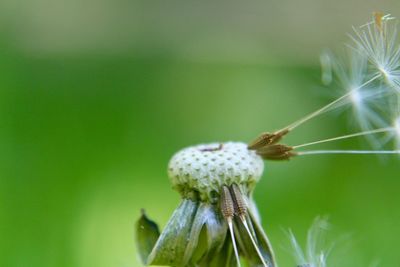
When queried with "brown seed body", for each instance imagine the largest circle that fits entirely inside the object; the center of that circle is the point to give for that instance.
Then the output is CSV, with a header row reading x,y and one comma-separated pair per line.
x,y
227,204
240,203
378,19
274,150
266,139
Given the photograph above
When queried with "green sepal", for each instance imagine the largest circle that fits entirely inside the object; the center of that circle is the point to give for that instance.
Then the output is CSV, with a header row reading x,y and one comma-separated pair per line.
x,y
171,245
194,236
222,257
147,233
198,244
246,246
207,237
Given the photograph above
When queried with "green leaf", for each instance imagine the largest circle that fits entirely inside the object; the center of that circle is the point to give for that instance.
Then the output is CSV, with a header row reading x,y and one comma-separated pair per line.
x,y
147,233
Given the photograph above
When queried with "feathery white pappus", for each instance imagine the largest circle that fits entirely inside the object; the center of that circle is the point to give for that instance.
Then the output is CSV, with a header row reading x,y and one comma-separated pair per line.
x,y
314,254
377,41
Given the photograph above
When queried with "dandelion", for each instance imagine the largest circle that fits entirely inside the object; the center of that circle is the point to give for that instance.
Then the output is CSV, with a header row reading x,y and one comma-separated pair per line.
x,y
314,254
217,222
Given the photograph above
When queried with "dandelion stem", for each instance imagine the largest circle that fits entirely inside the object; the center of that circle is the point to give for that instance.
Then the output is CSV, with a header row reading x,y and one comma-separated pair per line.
x,y
381,130
318,152
326,107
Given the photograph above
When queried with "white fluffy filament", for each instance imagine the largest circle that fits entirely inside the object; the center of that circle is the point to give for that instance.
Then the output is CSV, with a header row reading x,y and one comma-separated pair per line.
x,y
328,106
318,152
230,225
381,130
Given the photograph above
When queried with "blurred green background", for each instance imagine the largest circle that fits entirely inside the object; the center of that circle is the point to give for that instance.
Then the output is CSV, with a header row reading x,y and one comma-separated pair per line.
x,y
96,96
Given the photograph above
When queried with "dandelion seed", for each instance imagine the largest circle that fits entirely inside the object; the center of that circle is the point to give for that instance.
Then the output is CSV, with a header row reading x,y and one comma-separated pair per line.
x,y
367,79
314,254
377,42
228,211
364,100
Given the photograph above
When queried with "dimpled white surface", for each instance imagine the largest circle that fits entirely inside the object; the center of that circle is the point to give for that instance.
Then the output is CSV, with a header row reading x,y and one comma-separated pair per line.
x,y
207,167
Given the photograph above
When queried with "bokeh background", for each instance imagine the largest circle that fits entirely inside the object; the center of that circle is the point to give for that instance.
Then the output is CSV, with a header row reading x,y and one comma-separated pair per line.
x,y
96,96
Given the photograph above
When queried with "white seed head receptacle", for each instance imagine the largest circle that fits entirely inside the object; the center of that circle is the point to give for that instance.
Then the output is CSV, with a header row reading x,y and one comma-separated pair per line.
x,y
202,170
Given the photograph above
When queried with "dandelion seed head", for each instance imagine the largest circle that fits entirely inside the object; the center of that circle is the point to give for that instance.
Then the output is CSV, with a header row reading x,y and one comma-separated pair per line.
x,y
206,168
215,182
